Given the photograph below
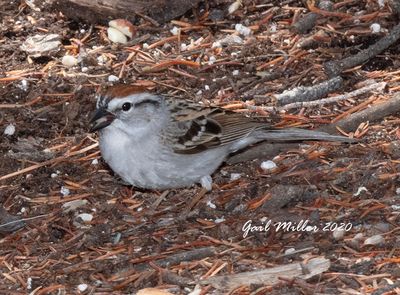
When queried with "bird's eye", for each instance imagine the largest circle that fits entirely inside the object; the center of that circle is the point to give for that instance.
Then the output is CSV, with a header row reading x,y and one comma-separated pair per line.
x,y
126,106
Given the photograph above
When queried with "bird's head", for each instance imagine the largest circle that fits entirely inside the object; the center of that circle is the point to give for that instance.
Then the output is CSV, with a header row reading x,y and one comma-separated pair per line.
x,y
128,108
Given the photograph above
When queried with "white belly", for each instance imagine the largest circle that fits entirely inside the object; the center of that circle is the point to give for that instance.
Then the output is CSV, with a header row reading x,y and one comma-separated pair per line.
x,y
148,164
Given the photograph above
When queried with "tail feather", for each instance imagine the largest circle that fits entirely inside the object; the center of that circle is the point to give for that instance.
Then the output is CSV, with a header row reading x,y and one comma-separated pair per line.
x,y
294,134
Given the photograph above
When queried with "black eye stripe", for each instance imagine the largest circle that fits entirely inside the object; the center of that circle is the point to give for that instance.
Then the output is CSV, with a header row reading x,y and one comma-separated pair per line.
x,y
147,101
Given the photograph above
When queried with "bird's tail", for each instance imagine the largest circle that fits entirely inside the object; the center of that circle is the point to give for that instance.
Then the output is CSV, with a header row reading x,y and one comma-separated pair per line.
x,y
295,134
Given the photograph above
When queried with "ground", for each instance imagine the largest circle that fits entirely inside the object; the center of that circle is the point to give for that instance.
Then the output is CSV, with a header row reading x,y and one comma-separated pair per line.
x,y
85,229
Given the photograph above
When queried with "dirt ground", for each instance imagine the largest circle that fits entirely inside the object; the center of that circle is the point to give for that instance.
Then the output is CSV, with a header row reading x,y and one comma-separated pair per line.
x,y
86,232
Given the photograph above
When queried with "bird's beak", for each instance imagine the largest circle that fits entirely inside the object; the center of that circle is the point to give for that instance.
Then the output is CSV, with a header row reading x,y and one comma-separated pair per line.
x,y
101,119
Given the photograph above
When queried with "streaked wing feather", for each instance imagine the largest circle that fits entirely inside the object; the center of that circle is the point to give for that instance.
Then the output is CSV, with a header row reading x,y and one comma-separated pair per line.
x,y
210,128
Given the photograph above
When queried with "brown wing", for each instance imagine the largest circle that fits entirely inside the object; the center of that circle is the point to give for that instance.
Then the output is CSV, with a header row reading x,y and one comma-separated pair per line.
x,y
210,128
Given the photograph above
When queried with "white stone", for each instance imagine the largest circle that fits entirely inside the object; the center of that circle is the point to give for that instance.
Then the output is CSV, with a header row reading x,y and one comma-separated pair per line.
x,y
268,165
86,217
219,220
242,30
82,287
212,60
64,191
235,73
175,31
211,204
375,28
69,61
112,78
235,176
29,283
183,46
360,190
23,85
10,130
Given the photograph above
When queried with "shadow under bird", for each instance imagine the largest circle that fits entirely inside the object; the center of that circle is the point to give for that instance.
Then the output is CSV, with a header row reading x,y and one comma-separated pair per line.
x,y
157,142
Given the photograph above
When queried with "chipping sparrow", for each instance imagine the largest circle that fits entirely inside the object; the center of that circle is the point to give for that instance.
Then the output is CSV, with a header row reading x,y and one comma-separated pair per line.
x,y
158,143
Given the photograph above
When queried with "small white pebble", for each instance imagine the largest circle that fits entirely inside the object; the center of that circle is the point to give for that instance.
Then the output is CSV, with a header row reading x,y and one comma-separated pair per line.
x,y
374,240
82,287
82,31
242,30
86,217
145,45
112,78
200,92
211,204
212,60
95,162
183,46
235,176
23,85
360,190
219,220
84,69
23,210
69,61
398,191
116,36
268,165
10,130
175,31
29,283
206,87
375,28
64,191
235,73
53,175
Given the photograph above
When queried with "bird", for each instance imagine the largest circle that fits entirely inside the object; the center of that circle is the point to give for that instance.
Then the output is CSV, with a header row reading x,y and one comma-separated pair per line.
x,y
158,142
